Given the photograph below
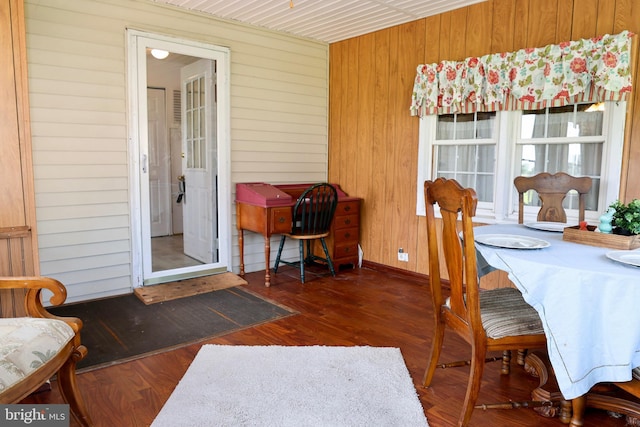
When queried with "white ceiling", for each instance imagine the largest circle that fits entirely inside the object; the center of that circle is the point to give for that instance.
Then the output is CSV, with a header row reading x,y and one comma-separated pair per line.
x,y
326,20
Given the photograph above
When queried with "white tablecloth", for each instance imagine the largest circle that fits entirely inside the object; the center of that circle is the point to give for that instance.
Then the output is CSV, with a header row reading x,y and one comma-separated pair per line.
x,y
589,305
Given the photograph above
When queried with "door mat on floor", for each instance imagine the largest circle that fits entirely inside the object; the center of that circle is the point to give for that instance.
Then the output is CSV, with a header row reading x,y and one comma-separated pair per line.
x,y
188,287
122,328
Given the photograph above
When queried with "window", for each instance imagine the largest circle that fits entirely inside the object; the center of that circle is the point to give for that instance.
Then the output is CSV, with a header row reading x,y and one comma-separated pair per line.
x,y
564,139
486,151
464,149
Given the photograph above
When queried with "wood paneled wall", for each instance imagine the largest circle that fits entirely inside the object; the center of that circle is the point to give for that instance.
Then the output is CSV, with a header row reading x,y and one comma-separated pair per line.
x,y
18,243
373,141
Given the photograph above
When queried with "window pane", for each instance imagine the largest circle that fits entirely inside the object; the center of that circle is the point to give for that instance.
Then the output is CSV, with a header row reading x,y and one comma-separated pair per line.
x,y
560,122
203,153
446,158
201,129
471,165
189,153
486,158
484,125
533,124
445,127
591,162
465,180
466,158
189,99
591,201
533,159
465,125
445,175
558,159
589,119
484,188
201,92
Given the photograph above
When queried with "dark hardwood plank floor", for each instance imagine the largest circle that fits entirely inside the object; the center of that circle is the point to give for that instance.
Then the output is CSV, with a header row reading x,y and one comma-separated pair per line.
x,y
358,307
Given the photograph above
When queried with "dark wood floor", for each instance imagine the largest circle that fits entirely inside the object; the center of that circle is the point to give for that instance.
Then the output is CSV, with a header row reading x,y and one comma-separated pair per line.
x,y
358,307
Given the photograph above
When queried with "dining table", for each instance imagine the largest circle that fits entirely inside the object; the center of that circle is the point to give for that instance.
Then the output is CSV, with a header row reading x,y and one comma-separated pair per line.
x,y
588,298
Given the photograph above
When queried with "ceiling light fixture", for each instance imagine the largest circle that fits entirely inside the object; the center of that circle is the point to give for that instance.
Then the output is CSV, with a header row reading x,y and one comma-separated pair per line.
x,y
159,53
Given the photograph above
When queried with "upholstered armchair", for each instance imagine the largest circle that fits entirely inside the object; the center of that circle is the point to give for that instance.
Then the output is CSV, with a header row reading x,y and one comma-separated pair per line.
x,y
35,348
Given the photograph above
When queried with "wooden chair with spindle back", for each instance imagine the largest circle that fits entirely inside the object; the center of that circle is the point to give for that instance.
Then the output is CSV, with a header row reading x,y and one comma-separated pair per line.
x,y
312,216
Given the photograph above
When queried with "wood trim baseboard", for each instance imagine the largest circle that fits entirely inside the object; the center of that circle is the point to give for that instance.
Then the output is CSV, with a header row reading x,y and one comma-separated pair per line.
x,y
394,270
400,272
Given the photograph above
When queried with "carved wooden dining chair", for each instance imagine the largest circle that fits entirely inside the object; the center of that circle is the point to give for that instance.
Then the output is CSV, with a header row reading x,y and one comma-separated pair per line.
x,y
312,216
40,345
490,320
552,190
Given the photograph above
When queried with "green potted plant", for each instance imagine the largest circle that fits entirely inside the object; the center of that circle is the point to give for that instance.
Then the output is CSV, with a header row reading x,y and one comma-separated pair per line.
x,y
626,219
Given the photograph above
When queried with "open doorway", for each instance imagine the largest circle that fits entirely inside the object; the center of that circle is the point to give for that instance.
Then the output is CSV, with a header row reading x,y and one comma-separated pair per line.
x,y
179,155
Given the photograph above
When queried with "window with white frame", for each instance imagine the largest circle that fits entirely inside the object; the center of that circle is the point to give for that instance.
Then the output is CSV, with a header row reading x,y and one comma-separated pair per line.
x,y
486,151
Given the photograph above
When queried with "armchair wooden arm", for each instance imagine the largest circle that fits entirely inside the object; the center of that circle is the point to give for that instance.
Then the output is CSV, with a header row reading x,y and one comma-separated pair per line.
x,y
63,362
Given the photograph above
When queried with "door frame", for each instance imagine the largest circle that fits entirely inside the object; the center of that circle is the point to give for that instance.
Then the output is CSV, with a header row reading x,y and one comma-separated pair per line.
x,y
137,43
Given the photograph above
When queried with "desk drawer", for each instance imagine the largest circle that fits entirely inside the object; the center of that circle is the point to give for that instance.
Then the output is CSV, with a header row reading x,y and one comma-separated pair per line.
x,y
280,220
348,208
346,250
346,221
346,235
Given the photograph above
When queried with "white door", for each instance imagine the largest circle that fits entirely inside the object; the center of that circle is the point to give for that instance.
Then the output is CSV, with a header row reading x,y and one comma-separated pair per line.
x,y
199,146
159,164
208,195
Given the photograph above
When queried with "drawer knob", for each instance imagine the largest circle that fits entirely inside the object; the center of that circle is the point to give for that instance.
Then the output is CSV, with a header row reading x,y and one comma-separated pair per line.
x,y
347,235
281,220
347,208
347,221
347,250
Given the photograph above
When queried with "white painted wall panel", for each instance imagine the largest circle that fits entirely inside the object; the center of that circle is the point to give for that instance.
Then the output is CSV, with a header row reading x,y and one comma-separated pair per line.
x,y
78,94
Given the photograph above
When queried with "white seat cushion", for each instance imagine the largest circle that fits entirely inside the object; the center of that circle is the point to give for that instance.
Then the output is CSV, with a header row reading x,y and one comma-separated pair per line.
x,y
26,343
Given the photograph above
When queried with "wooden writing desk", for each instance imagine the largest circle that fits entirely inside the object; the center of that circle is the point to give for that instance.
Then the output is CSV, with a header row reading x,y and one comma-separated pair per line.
x,y
266,209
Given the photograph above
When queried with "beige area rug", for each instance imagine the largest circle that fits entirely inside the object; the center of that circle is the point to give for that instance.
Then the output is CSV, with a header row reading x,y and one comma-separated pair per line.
x,y
188,287
280,386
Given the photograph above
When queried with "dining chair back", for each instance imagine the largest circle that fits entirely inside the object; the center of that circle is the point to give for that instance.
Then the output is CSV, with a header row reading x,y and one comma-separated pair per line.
x,y
489,320
552,190
312,216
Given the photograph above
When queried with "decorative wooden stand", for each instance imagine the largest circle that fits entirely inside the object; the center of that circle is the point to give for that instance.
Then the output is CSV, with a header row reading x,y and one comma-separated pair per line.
x,y
537,365
602,396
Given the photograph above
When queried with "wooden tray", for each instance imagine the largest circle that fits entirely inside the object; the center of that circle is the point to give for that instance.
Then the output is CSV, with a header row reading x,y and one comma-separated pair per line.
x,y
590,237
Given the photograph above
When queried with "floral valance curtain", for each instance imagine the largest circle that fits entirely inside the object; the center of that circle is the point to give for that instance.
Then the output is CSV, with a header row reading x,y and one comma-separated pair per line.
x,y
596,69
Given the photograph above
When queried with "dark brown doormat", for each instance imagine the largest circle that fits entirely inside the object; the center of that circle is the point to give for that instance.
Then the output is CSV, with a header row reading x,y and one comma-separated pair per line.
x,y
122,328
188,287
